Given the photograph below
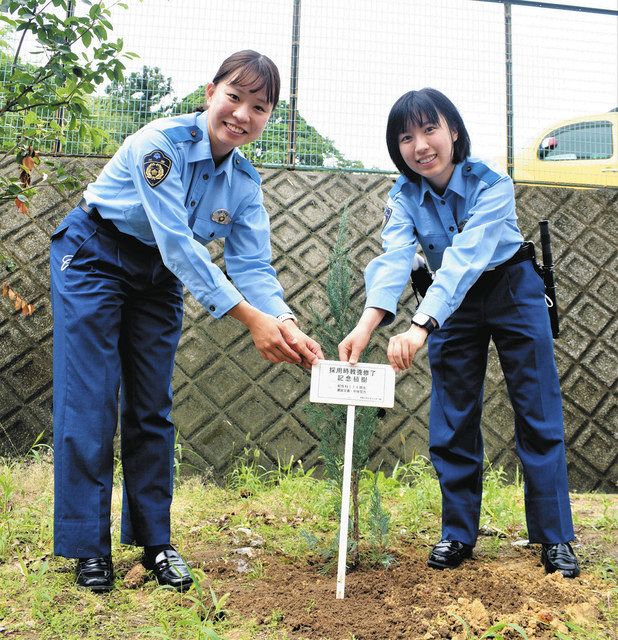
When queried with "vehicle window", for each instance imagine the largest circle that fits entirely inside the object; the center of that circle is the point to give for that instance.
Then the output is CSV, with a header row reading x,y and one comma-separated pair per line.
x,y
581,141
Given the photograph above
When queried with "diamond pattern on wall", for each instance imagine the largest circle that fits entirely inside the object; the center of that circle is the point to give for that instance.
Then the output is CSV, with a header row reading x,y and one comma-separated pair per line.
x,y
218,443
409,439
286,439
286,385
254,412
195,352
227,398
223,382
192,409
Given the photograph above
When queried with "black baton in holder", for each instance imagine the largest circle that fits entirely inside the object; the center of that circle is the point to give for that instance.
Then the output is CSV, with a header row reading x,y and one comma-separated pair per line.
x,y
548,277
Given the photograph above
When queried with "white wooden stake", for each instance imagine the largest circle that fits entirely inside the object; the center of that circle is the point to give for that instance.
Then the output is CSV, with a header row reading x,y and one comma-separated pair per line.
x,y
364,385
345,502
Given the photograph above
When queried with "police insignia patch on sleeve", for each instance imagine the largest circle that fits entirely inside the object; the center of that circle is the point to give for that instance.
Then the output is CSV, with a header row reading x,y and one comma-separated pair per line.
x,y
387,215
156,165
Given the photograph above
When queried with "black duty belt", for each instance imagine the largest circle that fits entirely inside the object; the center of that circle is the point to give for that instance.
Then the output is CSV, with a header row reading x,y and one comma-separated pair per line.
x,y
112,229
95,216
525,252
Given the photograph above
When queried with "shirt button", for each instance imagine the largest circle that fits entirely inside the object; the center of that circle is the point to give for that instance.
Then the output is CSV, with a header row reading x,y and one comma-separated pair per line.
x,y
205,176
451,228
193,133
212,235
431,246
237,160
193,203
212,307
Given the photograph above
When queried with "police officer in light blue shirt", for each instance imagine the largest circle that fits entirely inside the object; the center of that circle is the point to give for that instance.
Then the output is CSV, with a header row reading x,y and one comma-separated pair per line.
x,y
118,263
491,237
462,214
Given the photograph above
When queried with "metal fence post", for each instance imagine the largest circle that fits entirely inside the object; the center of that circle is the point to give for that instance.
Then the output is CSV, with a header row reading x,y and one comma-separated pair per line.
x,y
292,108
508,56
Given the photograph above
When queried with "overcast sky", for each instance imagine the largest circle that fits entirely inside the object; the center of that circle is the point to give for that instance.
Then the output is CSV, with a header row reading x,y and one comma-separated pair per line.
x,y
358,56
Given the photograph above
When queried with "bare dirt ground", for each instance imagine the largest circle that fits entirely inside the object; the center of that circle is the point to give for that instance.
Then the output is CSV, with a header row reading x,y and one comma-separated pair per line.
x,y
410,600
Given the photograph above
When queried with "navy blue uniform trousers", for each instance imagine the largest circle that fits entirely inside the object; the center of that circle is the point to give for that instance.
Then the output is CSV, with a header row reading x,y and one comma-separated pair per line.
x,y
508,306
117,320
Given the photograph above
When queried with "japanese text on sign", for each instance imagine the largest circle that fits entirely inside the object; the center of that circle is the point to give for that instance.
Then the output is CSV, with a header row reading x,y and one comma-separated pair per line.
x,y
364,384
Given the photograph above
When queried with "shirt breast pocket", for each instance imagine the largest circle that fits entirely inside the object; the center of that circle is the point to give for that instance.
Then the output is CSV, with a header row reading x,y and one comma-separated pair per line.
x,y
434,246
207,229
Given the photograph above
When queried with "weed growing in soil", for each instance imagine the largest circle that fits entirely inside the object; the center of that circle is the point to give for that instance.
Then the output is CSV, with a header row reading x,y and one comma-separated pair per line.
x,y
274,591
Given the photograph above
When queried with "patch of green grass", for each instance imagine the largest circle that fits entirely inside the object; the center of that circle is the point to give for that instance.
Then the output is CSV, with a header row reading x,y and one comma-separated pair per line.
x,y
575,632
411,495
279,503
497,631
605,521
503,511
39,600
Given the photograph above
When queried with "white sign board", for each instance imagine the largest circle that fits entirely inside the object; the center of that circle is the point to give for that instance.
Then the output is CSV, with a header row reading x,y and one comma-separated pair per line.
x,y
364,384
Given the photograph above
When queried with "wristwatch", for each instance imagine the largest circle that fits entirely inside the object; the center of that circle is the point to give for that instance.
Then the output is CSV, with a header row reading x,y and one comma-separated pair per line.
x,y
287,316
424,321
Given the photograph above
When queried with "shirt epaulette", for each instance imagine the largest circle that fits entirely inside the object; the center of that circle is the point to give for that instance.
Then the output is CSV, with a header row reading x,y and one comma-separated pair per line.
x,y
240,162
396,188
184,133
482,172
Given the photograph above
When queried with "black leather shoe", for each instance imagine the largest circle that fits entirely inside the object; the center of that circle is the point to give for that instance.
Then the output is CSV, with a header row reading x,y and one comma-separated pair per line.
x,y
96,574
560,557
169,569
448,554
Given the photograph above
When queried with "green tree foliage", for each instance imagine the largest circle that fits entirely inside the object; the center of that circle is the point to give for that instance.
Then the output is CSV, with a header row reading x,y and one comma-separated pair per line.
x,y
329,420
143,95
45,101
312,148
40,103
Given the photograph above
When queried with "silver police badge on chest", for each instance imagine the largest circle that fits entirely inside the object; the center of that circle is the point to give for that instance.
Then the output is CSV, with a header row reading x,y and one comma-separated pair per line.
x,y
222,216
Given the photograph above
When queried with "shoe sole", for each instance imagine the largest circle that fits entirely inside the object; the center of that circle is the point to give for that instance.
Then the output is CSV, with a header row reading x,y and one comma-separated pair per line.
x,y
567,574
438,565
100,589
181,587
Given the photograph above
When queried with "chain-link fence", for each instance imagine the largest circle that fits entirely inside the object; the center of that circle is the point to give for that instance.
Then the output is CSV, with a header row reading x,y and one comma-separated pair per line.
x,y
536,82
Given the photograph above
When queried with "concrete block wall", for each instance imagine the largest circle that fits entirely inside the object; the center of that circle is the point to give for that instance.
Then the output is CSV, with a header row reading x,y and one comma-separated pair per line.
x,y
228,399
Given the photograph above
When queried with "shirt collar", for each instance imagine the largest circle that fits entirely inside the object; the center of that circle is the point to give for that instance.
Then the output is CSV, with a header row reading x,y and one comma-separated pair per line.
x,y
201,150
423,189
227,166
455,184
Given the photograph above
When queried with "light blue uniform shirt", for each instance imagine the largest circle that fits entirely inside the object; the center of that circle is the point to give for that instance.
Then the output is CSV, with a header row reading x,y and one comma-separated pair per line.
x,y
469,229
163,188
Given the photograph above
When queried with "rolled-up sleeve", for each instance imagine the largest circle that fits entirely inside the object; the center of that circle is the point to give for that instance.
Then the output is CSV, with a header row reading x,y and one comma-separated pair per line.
x,y
164,206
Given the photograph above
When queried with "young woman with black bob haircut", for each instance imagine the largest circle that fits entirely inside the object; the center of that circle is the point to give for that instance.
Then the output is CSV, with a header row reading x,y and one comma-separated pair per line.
x,y
462,214
118,264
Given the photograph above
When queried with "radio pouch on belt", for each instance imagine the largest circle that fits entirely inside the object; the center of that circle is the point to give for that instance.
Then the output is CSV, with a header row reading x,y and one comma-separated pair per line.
x,y
421,277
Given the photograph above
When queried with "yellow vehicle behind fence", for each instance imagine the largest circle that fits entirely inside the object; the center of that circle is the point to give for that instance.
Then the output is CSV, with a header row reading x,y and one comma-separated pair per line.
x,y
582,151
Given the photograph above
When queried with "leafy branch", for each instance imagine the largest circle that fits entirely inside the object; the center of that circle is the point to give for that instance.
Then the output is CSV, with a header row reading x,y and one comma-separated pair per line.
x,y
65,79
